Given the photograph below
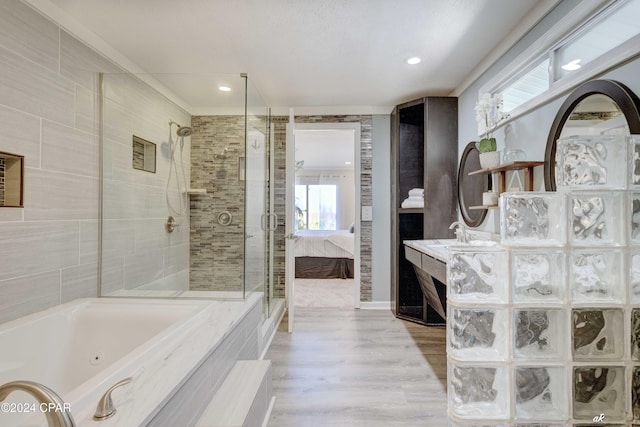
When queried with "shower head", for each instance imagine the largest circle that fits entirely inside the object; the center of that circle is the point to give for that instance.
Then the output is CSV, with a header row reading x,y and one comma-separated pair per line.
x,y
184,131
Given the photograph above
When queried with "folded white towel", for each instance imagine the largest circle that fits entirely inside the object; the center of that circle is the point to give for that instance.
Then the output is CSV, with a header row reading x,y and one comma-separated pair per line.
x,y
406,203
416,192
415,199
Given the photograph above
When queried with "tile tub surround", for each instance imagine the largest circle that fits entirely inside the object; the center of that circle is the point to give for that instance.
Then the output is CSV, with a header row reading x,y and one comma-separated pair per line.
x,y
176,372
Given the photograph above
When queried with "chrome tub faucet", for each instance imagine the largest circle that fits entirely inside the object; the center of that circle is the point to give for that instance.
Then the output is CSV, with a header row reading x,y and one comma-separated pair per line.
x,y
55,410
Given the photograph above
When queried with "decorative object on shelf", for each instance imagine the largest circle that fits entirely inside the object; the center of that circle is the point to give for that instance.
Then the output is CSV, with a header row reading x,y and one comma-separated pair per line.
x,y
490,198
514,155
490,159
489,116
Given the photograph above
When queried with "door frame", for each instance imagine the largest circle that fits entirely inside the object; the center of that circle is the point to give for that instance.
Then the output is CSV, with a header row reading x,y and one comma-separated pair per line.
x,y
292,127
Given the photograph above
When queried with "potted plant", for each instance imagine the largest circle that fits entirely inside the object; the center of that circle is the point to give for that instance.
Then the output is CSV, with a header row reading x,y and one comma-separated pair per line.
x,y
488,116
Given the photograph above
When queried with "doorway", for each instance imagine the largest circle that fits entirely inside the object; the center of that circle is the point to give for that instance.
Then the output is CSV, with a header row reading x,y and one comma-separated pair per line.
x,y
326,202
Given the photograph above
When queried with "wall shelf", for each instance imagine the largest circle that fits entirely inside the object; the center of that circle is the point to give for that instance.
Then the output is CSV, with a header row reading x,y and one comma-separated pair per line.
x,y
410,210
196,191
502,169
527,166
483,207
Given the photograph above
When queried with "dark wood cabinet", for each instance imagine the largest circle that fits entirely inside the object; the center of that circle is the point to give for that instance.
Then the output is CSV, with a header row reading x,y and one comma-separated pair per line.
x,y
424,154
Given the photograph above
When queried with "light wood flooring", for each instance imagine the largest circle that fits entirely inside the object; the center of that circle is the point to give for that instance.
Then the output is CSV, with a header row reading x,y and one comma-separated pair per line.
x,y
347,367
332,293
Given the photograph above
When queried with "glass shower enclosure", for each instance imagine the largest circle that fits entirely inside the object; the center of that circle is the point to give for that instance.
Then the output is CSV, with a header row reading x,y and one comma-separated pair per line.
x,y
185,187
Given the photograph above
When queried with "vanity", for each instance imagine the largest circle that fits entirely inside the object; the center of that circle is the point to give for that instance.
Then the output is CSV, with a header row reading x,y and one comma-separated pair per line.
x,y
429,259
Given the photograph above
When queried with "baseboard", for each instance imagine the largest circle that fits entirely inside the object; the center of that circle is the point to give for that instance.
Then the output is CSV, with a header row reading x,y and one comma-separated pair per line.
x,y
375,305
267,416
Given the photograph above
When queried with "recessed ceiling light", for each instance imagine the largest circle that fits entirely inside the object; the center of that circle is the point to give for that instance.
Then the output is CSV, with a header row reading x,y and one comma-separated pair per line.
x,y
224,88
572,65
347,163
413,61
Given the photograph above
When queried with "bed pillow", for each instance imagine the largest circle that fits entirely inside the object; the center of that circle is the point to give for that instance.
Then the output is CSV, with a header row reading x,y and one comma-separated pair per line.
x,y
352,228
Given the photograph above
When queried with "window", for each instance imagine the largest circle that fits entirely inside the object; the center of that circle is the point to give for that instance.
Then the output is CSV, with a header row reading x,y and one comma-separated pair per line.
x,y
593,38
528,86
316,207
611,28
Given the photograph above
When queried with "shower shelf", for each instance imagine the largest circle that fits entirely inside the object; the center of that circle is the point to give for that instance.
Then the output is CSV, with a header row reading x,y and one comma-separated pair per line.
x,y
196,191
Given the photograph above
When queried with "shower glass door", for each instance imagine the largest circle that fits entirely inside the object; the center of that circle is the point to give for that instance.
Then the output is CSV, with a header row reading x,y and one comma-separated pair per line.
x,y
259,223
185,196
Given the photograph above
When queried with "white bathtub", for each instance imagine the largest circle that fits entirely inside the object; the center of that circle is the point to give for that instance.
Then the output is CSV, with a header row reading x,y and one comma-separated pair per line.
x,y
82,348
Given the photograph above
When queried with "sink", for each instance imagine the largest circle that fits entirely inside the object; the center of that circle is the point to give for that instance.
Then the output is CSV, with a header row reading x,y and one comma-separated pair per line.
x,y
437,248
482,243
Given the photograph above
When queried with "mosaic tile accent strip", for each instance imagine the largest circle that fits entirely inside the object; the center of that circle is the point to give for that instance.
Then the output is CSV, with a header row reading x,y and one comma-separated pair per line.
x,y
217,251
366,193
138,155
2,169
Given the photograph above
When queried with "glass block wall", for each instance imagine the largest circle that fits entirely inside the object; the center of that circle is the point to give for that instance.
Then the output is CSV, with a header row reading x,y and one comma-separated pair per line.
x,y
544,328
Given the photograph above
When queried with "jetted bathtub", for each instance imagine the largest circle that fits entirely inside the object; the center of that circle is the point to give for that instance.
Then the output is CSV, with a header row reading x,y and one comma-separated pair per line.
x,y
82,348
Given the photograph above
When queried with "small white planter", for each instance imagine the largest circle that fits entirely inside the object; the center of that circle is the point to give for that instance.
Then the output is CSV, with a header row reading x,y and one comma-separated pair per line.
x,y
490,159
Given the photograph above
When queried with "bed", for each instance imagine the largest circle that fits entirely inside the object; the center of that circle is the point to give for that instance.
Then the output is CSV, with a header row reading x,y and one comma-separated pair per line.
x,y
324,254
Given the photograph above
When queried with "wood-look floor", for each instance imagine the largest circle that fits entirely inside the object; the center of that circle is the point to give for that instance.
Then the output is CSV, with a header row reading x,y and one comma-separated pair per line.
x,y
347,367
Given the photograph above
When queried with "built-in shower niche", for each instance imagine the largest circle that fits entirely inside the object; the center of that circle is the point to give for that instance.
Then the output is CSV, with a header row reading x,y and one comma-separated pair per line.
x,y
143,154
11,180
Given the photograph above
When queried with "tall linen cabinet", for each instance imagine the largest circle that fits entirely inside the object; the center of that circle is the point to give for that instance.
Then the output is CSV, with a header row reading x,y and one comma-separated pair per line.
x,y
424,154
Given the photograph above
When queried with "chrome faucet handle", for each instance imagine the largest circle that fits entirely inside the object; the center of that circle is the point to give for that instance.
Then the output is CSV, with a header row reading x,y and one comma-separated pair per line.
x,y
58,412
105,407
461,231
171,224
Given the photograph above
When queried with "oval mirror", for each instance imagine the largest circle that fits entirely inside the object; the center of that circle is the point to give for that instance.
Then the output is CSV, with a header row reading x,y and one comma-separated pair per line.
x,y
598,107
471,187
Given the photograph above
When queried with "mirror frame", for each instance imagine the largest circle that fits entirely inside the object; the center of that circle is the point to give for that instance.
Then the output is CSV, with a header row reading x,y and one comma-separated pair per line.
x,y
620,94
464,211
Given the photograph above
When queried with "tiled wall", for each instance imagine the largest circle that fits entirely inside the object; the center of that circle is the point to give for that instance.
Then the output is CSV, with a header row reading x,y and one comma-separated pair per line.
x,y
366,147
138,252
2,169
217,250
48,113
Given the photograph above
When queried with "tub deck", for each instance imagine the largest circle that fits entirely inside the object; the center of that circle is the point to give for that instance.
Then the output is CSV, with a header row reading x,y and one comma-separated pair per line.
x,y
81,348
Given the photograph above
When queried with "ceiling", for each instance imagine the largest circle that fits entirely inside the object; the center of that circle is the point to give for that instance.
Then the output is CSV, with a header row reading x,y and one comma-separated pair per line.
x,y
306,52
325,149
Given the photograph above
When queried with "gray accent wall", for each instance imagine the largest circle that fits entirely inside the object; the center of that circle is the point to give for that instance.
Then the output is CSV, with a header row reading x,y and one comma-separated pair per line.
x,y
381,194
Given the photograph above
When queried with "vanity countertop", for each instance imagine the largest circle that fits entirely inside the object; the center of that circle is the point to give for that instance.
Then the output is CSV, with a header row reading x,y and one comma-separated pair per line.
x,y
435,248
